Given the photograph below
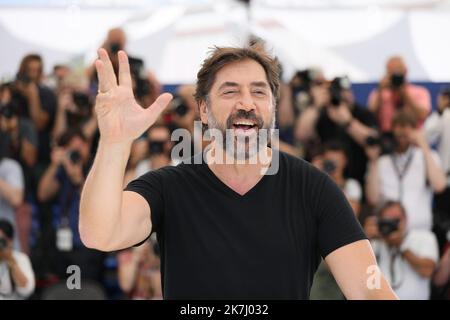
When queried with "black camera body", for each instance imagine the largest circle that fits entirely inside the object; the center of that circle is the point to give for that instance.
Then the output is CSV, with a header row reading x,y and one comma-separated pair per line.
x,y
137,71
178,106
397,80
387,226
74,156
328,166
385,141
7,110
3,243
336,87
156,147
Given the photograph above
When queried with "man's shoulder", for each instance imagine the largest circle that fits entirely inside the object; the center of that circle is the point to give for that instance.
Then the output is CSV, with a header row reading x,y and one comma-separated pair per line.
x,y
20,257
8,164
421,235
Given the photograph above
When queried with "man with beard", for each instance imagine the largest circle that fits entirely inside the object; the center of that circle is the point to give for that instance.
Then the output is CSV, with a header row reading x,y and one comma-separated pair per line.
x,y
225,230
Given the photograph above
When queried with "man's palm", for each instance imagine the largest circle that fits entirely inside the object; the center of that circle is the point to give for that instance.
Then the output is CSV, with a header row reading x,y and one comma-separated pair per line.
x,y
120,117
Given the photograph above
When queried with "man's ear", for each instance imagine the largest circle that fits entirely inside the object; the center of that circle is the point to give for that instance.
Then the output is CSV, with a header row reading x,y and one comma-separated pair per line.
x,y
203,112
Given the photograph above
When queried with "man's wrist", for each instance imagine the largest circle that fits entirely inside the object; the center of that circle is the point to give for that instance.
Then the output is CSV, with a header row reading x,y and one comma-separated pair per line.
x,y
12,263
347,123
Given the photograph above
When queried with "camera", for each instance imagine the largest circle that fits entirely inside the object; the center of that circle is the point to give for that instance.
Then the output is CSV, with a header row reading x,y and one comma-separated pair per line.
x,y
81,100
115,47
3,243
387,226
74,156
397,80
178,106
337,85
23,78
386,142
138,73
328,166
156,147
7,110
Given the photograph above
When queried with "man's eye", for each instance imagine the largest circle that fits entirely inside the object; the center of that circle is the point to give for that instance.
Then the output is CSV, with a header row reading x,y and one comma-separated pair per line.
x,y
230,92
260,93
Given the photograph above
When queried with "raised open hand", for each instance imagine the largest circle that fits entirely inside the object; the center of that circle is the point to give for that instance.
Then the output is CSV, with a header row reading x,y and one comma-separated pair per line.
x,y
120,117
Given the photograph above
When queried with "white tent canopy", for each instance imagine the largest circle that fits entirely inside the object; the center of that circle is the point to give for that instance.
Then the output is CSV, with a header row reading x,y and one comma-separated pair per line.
x,y
352,37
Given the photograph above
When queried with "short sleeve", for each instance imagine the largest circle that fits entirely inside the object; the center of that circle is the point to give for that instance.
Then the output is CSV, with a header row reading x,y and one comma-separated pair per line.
x,y
150,187
14,174
422,243
422,98
353,190
337,224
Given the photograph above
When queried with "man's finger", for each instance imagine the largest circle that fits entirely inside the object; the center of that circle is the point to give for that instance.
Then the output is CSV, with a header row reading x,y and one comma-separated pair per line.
x,y
106,77
158,106
124,70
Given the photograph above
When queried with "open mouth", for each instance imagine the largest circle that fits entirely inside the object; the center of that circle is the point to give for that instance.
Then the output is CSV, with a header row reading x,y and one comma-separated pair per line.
x,y
244,125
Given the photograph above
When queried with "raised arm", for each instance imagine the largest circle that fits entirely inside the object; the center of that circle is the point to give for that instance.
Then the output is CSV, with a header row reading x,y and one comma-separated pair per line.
x,y
110,218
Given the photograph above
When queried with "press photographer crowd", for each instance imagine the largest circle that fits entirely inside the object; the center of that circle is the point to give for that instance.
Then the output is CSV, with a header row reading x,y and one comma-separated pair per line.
x,y
390,156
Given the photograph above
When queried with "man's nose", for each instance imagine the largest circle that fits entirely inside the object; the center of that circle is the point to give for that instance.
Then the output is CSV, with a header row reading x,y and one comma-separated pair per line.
x,y
246,102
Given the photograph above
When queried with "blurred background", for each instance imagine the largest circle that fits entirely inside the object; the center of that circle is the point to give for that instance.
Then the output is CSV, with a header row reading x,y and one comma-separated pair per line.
x,y
364,81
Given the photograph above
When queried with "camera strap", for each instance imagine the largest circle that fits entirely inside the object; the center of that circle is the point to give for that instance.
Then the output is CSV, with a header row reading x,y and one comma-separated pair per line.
x,y
401,171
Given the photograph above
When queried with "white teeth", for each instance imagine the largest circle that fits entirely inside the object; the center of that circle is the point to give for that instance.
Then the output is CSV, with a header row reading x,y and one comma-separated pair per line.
x,y
244,123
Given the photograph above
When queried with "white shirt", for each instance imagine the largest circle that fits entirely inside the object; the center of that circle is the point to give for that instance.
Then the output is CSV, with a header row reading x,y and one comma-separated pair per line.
x,y
352,189
437,131
405,281
6,289
416,196
145,166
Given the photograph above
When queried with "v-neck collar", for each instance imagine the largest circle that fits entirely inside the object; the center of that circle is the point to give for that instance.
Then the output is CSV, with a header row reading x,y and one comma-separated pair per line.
x,y
226,188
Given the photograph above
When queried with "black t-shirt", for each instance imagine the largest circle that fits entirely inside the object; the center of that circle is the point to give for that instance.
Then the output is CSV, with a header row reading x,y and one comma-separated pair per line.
x,y
266,244
329,130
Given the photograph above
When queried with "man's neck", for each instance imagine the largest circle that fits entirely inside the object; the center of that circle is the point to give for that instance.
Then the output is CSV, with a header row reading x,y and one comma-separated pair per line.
x,y
253,168
402,149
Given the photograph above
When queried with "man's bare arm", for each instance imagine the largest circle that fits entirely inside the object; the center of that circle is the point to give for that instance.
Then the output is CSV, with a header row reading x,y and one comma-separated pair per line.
x,y
355,269
110,218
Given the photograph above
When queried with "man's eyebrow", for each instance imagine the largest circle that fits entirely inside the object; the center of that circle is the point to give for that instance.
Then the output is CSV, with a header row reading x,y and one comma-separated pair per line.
x,y
261,84
228,84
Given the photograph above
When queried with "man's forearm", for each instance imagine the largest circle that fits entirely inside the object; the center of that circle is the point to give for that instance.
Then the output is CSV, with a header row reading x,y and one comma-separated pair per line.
x,y
359,132
442,275
435,175
13,196
39,117
372,188
101,197
17,275
418,110
422,266
60,124
48,185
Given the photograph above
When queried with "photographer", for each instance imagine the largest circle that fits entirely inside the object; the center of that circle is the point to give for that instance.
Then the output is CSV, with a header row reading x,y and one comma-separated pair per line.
x,y
409,174
159,146
61,185
395,93
333,161
437,130
407,258
21,135
336,115
139,271
16,273
74,111
145,85
35,102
